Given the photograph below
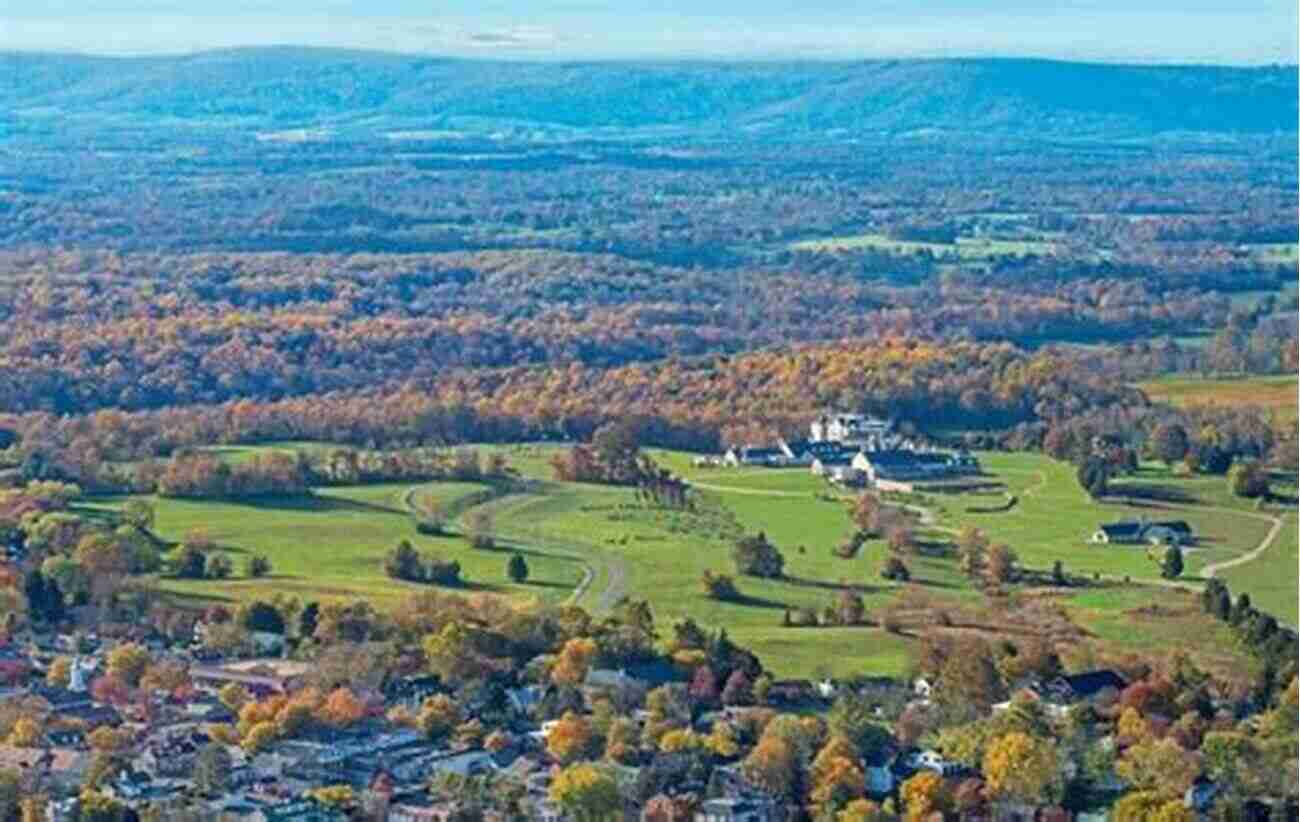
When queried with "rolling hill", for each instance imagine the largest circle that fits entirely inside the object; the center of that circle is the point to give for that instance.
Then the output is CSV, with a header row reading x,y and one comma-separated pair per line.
x,y
299,88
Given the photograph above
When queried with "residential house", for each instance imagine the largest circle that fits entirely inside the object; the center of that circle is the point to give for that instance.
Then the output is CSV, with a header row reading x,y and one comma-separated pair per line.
x,y
14,664
302,810
839,470
463,763
1088,685
922,687
754,455
806,452
615,684
791,691
925,760
1135,532
523,700
851,429
257,682
65,767
904,465
738,809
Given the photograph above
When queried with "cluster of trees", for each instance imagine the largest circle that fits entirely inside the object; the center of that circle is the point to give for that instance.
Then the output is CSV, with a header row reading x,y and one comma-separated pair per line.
x,y
698,405
988,564
406,563
200,475
1261,632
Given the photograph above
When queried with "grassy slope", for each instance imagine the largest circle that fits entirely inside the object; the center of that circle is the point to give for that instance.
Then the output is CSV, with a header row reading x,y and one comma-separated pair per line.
x,y
332,545
1271,579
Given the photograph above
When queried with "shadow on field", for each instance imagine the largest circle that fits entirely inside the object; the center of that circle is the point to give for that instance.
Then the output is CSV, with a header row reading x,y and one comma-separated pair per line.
x,y
861,588
1138,493
195,599
540,583
317,504
757,602
934,583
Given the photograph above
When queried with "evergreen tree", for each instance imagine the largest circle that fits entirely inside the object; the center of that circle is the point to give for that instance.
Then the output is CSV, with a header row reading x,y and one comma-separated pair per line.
x,y
308,619
1241,610
1172,567
517,569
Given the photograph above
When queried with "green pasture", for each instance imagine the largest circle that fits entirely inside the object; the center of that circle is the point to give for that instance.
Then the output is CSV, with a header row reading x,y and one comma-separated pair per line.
x,y
1271,579
331,544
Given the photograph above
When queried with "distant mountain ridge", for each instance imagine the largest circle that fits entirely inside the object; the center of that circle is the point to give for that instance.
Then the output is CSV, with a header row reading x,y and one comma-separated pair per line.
x,y
299,87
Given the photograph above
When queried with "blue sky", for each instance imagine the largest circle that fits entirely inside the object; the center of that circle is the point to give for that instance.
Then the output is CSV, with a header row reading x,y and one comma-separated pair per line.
x,y
1220,31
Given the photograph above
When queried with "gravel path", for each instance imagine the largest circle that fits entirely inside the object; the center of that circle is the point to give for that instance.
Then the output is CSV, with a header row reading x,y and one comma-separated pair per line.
x,y
615,568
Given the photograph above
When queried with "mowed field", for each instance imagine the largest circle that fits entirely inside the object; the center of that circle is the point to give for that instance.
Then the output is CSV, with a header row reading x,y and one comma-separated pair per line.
x,y
1271,579
331,545
1278,394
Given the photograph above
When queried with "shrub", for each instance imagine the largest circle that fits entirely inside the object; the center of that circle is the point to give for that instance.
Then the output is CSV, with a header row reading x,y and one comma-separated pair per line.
x,y
430,526
719,586
481,529
442,572
1058,574
755,556
257,566
1172,566
1248,479
219,566
850,547
517,569
804,618
895,569
849,608
403,562
192,563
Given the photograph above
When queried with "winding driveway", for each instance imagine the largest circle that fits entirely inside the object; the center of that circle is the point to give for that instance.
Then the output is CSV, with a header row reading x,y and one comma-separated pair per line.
x,y
1215,567
615,567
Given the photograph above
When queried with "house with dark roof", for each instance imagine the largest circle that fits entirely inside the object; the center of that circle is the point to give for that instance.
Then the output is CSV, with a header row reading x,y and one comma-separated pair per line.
x,y
1137,532
1078,687
907,464
805,452
737,809
754,455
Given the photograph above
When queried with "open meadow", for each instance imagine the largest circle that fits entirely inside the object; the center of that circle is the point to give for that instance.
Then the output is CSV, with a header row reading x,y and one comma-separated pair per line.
x,y
331,544
595,544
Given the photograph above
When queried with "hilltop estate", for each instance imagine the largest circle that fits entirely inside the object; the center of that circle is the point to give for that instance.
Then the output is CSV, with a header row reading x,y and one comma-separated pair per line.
x,y
857,451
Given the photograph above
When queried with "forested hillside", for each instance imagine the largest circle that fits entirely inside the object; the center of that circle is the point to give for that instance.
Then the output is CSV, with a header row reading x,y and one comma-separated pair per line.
x,y
305,87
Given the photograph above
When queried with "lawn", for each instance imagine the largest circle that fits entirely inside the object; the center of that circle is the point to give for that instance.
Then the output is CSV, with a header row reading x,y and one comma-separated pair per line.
x,y
1277,394
1271,579
1053,519
331,544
